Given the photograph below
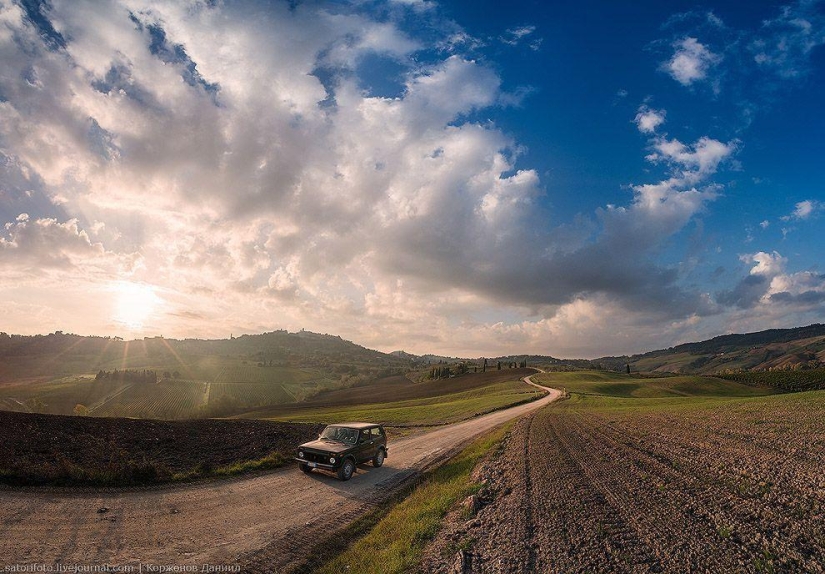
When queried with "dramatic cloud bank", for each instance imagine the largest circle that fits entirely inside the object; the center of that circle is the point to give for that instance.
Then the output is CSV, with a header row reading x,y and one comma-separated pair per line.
x,y
232,160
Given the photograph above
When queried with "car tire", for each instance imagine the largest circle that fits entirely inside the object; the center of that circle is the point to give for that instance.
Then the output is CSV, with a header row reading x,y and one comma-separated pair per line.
x,y
378,459
347,469
305,468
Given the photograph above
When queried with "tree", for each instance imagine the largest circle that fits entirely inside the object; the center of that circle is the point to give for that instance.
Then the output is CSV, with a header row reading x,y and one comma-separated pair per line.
x,y
81,410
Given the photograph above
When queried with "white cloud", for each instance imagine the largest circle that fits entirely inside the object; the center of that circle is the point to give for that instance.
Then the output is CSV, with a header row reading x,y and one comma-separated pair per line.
x,y
784,44
694,162
517,35
455,86
753,64
458,40
767,264
769,290
804,210
691,61
29,246
648,119
417,5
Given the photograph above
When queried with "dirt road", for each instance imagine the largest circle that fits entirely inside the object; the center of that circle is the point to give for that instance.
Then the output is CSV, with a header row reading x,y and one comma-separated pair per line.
x,y
264,523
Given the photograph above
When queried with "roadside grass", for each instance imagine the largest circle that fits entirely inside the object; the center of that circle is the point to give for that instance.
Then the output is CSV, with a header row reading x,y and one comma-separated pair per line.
x,y
437,410
395,539
271,461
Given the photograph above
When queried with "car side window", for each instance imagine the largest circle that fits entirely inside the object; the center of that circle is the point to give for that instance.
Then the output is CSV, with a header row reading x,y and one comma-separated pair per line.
x,y
365,435
376,433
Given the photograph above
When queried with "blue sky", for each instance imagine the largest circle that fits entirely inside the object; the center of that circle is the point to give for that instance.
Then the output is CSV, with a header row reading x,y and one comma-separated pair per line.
x,y
469,178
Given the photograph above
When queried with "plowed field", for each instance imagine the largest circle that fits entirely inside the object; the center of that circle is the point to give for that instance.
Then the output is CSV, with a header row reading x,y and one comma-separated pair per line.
x,y
726,486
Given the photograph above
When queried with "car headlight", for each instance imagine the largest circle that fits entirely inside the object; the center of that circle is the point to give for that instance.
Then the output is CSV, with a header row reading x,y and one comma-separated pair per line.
x,y
332,460
301,453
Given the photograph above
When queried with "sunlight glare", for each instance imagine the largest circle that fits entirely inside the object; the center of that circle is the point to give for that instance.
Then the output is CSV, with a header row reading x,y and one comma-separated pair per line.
x,y
134,303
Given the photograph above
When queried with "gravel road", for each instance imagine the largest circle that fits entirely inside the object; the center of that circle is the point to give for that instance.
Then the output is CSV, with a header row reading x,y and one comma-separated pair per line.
x,y
263,523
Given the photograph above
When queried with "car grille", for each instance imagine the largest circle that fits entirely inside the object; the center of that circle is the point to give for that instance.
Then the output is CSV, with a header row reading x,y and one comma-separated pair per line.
x,y
316,457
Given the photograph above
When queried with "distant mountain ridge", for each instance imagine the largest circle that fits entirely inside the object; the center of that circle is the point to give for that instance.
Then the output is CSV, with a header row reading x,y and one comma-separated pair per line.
x,y
729,342
773,349
63,354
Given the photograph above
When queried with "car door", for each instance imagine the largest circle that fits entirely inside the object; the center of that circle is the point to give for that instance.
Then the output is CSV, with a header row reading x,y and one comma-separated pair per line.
x,y
366,445
379,438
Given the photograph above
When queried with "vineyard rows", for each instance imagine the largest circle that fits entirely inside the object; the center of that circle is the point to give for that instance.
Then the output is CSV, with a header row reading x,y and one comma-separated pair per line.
x,y
792,381
167,400
250,394
240,373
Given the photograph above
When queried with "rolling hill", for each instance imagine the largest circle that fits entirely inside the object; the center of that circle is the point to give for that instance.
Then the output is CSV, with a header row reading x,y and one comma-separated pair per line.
x,y
172,379
774,349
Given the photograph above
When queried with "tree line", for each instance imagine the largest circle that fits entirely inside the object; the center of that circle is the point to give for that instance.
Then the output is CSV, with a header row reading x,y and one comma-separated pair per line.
x,y
447,371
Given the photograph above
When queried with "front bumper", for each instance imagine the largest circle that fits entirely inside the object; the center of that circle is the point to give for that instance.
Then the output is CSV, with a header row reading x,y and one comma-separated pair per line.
x,y
312,464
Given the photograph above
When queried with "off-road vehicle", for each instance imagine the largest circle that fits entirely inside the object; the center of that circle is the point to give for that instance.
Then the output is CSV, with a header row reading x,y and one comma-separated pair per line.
x,y
342,446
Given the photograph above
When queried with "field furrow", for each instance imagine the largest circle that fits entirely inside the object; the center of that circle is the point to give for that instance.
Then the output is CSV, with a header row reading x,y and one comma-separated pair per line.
x,y
656,490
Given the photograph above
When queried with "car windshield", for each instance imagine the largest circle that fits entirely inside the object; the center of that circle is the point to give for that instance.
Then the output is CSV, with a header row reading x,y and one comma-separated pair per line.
x,y
340,434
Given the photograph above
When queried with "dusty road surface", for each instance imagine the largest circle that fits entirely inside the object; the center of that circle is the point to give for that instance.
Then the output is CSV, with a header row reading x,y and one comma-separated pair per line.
x,y
265,523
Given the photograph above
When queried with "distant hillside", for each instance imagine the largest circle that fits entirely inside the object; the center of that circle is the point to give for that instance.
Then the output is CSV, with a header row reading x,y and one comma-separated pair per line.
x,y
774,349
61,354
163,378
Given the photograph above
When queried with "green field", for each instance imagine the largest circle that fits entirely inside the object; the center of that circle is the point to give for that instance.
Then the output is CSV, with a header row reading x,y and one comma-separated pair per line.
x,y
437,410
238,389
618,385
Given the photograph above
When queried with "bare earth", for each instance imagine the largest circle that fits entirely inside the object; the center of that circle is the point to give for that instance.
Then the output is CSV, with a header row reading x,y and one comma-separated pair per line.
x,y
737,488
265,523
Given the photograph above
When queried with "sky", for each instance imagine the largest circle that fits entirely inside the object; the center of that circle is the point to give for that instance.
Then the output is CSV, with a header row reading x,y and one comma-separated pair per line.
x,y
575,179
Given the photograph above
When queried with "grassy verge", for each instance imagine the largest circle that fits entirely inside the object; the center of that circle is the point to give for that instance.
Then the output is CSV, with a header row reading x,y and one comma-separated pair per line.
x,y
269,462
395,537
443,409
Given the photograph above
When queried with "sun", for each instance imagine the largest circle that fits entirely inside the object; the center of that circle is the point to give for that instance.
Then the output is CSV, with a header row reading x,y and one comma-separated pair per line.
x,y
134,303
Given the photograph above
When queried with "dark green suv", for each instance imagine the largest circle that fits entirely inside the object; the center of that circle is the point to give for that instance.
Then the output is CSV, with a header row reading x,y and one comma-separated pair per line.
x,y
340,447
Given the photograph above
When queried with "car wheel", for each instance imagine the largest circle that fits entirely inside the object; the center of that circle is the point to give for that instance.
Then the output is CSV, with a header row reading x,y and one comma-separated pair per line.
x,y
378,459
346,470
305,468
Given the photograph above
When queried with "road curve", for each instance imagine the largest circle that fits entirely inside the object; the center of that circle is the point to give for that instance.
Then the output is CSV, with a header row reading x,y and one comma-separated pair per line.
x,y
264,523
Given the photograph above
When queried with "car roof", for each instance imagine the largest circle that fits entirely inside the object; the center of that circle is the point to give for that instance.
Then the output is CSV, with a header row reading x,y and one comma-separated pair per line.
x,y
356,425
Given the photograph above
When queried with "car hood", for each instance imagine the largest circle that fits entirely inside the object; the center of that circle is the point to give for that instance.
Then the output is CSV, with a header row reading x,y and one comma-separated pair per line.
x,y
326,446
